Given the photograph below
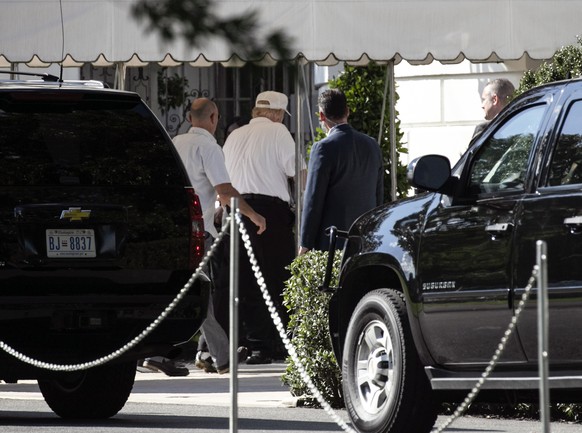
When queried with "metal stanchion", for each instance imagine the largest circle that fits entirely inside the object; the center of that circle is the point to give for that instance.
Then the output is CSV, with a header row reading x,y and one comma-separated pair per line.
x,y
542,298
233,331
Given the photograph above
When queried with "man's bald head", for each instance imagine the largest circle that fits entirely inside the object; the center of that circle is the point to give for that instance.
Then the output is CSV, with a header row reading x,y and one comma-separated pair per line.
x,y
204,114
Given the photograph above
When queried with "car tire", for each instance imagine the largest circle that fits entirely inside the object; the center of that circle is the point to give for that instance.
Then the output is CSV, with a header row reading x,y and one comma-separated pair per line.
x,y
385,387
96,393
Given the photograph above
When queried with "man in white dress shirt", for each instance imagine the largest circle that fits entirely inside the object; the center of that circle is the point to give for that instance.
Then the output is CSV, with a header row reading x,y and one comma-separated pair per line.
x,y
260,159
204,162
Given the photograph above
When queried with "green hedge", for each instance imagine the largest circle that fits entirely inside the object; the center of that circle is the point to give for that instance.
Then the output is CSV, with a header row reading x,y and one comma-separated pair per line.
x,y
565,63
308,327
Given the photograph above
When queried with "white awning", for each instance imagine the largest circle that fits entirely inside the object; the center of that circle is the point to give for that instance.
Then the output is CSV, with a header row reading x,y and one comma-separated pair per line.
x,y
324,31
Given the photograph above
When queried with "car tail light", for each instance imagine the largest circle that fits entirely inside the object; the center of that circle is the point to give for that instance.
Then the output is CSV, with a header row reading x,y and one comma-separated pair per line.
x,y
196,229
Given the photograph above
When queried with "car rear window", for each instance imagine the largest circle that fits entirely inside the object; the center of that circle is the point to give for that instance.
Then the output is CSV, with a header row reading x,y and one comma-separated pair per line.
x,y
78,139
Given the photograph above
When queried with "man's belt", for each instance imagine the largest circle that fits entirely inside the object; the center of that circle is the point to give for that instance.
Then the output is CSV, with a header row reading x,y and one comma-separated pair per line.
x,y
264,198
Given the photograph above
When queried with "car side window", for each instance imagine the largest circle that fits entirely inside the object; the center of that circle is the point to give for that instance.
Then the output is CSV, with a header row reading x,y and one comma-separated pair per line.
x,y
566,167
501,162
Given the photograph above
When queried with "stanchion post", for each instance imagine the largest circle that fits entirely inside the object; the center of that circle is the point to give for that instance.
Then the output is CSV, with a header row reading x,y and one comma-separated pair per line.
x,y
233,315
542,298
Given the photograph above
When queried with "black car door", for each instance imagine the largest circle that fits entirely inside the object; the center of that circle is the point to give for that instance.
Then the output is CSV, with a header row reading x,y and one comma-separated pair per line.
x,y
465,253
554,214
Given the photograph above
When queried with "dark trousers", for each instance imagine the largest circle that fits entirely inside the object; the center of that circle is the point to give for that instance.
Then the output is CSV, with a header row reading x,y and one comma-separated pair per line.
x,y
217,271
221,282
274,250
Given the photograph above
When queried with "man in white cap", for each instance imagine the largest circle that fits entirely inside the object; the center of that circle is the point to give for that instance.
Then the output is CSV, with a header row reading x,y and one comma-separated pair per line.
x,y
204,162
260,159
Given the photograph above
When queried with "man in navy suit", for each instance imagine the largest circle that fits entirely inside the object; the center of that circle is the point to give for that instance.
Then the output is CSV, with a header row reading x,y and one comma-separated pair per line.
x,y
345,175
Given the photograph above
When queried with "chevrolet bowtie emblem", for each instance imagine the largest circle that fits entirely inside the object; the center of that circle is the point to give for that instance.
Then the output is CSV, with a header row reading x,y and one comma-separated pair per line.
x,y
75,214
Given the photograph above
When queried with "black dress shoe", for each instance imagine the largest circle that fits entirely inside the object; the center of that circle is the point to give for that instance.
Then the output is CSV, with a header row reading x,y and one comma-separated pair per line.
x,y
242,353
166,366
259,358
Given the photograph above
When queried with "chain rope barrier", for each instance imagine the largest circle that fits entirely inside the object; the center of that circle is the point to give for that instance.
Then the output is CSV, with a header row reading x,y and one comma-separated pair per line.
x,y
500,348
280,329
132,343
136,340
282,333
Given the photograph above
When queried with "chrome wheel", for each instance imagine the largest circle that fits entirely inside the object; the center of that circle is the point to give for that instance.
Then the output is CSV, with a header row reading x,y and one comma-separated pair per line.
x,y
375,367
385,387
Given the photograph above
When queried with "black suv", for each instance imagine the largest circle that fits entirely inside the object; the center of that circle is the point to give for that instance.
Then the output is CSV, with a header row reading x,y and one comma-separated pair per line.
x,y
429,284
99,231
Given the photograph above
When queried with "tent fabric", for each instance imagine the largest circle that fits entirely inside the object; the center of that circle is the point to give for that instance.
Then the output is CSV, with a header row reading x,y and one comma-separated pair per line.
x,y
322,31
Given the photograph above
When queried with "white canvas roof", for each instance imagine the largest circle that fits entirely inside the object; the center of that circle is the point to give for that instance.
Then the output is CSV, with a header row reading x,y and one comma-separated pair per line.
x,y
325,31
103,32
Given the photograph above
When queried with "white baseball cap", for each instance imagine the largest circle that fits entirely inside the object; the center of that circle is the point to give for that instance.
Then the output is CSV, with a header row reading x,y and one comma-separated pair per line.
x,y
272,100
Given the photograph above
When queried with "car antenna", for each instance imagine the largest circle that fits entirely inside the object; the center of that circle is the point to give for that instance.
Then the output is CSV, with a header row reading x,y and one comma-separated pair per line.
x,y
44,76
62,42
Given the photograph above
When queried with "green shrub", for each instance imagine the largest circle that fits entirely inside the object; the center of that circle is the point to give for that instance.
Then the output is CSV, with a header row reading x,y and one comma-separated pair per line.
x,y
308,327
566,63
558,411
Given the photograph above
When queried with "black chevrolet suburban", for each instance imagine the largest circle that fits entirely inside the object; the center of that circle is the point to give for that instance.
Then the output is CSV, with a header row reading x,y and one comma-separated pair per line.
x,y
99,231
429,284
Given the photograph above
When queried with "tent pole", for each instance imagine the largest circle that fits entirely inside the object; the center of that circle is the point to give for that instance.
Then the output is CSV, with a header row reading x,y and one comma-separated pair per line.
x,y
393,153
384,98
298,156
119,80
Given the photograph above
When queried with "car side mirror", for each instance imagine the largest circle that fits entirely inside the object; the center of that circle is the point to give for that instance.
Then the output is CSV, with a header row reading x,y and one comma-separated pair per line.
x,y
429,172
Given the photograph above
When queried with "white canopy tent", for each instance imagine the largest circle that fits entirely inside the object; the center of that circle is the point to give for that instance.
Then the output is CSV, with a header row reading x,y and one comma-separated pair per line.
x,y
323,31
103,32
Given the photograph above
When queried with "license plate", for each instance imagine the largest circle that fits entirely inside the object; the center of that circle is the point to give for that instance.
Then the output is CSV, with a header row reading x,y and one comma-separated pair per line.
x,y
70,243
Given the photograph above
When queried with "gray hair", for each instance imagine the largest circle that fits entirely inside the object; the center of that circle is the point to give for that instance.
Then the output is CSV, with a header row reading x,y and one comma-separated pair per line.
x,y
503,88
275,115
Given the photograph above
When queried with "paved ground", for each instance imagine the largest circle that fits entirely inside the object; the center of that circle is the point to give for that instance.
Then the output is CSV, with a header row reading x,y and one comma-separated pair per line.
x,y
258,386
201,403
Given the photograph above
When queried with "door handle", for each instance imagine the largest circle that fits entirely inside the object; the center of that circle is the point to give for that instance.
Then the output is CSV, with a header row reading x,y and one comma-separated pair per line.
x,y
574,223
498,229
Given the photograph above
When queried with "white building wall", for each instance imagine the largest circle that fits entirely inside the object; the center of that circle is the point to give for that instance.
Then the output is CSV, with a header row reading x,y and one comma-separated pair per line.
x,y
440,105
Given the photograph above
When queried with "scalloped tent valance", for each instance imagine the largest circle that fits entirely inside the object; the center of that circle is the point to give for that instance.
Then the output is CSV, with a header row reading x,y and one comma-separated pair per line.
x,y
323,31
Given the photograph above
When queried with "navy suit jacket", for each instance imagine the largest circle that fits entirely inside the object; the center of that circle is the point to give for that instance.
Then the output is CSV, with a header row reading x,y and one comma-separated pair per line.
x,y
345,178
